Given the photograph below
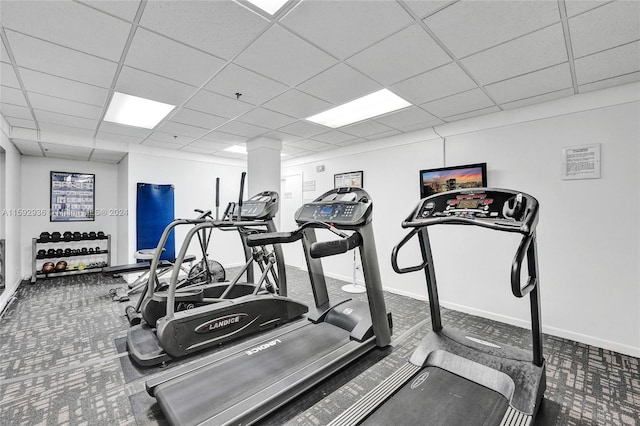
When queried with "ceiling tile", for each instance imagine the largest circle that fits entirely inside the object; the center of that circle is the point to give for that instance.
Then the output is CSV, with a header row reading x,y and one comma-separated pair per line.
x,y
242,129
197,118
297,104
438,83
196,150
365,128
532,52
471,114
65,120
538,99
211,146
605,27
610,82
254,88
292,150
458,104
381,135
284,57
266,118
227,154
182,129
214,104
574,7
122,9
21,122
12,96
536,83
63,106
351,142
304,129
160,55
66,130
362,23
467,27
108,156
51,85
52,59
281,136
28,147
610,63
114,137
8,76
80,152
69,24
170,138
423,8
334,136
339,84
224,138
311,145
222,28
136,132
410,52
139,83
409,117
161,144
15,111
4,57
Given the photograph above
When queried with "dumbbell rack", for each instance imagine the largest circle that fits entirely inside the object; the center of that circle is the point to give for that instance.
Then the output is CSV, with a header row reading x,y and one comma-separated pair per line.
x,y
75,243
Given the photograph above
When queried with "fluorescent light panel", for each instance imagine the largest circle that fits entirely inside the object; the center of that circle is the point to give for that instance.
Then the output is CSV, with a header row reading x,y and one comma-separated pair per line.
x,y
373,105
239,149
269,6
135,111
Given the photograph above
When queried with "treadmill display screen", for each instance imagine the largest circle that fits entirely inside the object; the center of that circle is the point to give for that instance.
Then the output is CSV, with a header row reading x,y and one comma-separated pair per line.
x,y
326,210
468,204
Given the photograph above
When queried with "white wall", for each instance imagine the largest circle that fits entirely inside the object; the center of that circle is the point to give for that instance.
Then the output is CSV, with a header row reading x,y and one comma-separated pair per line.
x,y
12,191
194,182
122,222
35,195
589,273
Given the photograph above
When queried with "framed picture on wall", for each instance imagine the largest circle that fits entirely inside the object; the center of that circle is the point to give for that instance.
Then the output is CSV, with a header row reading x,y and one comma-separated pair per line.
x,y
72,197
348,179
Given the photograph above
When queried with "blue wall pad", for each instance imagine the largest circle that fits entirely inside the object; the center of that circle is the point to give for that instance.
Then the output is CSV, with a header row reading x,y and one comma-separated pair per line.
x,y
154,211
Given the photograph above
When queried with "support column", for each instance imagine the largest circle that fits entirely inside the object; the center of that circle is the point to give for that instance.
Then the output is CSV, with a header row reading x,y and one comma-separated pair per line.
x,y
263,167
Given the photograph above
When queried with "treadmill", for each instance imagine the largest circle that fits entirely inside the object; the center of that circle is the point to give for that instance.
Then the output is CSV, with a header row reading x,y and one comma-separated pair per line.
x,y
242,385
453,378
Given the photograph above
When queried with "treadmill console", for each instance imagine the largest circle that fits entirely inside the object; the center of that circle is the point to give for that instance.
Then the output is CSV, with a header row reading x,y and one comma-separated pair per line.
x,y
341,207
498,206
261,206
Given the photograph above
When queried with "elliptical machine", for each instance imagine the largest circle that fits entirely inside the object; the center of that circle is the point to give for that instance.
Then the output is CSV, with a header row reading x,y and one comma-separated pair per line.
x,y
198,316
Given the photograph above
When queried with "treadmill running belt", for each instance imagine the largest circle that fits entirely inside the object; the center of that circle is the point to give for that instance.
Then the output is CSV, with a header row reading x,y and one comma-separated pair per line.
x,y
195,397
436,396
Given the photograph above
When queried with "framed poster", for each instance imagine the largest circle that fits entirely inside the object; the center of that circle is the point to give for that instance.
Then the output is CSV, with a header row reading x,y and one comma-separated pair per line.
x,y
72,197
348,179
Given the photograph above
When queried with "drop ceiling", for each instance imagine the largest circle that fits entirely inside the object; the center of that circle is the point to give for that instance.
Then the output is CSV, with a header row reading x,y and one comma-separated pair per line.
x,y
236,73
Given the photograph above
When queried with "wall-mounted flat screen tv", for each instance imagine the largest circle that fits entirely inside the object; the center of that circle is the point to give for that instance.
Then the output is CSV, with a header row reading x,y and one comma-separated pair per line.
x,y
444,179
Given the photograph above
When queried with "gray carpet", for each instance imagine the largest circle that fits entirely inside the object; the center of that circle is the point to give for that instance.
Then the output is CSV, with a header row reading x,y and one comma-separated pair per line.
x,y
62,361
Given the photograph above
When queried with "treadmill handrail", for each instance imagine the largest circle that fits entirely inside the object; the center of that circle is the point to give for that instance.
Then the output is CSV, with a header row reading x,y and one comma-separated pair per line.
x,y
396,249
290,236
516,268
330,248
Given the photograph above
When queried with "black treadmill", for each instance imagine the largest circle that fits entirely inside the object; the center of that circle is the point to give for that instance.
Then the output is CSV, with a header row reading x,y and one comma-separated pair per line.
x,y
242,385
453,378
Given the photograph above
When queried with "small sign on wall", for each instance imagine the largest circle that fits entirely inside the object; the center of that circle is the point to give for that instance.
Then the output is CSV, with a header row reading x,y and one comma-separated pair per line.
x,y
308,185
581,162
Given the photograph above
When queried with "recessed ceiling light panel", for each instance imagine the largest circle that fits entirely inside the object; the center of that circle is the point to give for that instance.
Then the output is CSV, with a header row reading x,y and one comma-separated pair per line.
x,y
372,105
134,111
269,6
239,149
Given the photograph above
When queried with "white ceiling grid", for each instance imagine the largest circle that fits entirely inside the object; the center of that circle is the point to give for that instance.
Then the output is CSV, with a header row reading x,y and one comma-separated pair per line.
x,y
236,73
